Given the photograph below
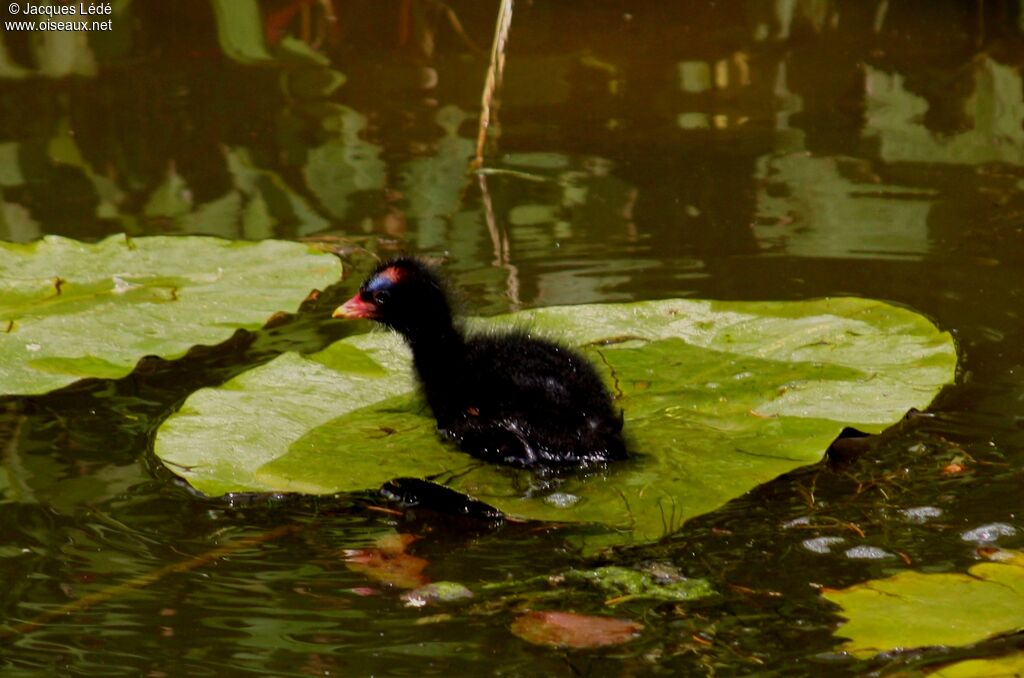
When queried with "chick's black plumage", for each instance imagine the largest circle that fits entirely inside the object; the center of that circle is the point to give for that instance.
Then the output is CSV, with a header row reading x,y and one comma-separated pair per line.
x,y
508,398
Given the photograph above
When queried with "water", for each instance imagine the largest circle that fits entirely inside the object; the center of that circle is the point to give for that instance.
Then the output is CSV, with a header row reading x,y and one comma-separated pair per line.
x,y
739,150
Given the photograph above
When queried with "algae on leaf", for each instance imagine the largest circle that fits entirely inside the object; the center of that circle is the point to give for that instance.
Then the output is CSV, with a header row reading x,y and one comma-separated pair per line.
x,y
718,398
71,310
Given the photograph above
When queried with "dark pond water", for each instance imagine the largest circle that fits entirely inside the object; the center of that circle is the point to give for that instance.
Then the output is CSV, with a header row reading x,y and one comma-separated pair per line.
x,y
728,150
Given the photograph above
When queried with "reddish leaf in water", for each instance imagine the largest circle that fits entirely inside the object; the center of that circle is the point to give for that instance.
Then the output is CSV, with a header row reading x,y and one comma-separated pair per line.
x,y
568,629
365,591
388,563
953,469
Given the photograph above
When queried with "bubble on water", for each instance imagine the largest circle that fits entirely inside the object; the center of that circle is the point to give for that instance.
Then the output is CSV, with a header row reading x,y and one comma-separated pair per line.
x,y
867,553
921,514
987,534
821,544
561,499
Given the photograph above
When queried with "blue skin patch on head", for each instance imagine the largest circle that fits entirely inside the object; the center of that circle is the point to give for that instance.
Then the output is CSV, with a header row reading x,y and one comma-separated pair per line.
x,y
379,282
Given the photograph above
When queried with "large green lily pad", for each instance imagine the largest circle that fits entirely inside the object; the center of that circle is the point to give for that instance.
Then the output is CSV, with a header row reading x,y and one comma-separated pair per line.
x,y
912,609
71,310
1004,667
718,398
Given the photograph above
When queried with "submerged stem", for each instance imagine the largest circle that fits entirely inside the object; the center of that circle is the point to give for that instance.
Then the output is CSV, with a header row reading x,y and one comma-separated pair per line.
x,y
140,581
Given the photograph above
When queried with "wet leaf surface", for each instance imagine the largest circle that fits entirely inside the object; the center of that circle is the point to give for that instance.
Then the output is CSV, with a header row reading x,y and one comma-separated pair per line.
x,y
72,310
1006,667
914,609
718,398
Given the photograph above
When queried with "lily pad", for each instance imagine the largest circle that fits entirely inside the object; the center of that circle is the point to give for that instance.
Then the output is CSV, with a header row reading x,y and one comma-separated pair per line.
x,y
718,398
1004,667
569,629
912,609
72,310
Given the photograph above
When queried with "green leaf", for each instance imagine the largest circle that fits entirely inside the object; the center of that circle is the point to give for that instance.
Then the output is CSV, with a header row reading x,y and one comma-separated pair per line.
x,y
912,609
436,592
1004,667
718,398
240,30
71,310
627,584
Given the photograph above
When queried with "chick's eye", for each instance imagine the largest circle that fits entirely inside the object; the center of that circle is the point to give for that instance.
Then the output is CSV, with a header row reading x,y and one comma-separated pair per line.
x,y
381,297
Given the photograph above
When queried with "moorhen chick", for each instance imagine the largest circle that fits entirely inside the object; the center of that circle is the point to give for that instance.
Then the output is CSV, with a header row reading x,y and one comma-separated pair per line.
x,y
508,397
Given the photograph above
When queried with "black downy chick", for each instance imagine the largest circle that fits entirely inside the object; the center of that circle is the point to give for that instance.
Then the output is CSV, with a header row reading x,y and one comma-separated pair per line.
x,y
506,398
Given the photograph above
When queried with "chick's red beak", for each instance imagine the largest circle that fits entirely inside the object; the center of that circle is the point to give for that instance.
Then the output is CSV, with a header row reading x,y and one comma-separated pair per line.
x,y
355,308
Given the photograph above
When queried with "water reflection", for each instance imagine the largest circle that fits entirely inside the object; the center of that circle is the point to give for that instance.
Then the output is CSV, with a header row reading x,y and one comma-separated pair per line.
x,y
345,165
433,183
837,207
993,113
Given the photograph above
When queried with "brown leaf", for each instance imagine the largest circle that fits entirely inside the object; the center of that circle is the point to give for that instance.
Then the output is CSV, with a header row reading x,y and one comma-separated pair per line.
x,y
953,469
388,563
568,629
